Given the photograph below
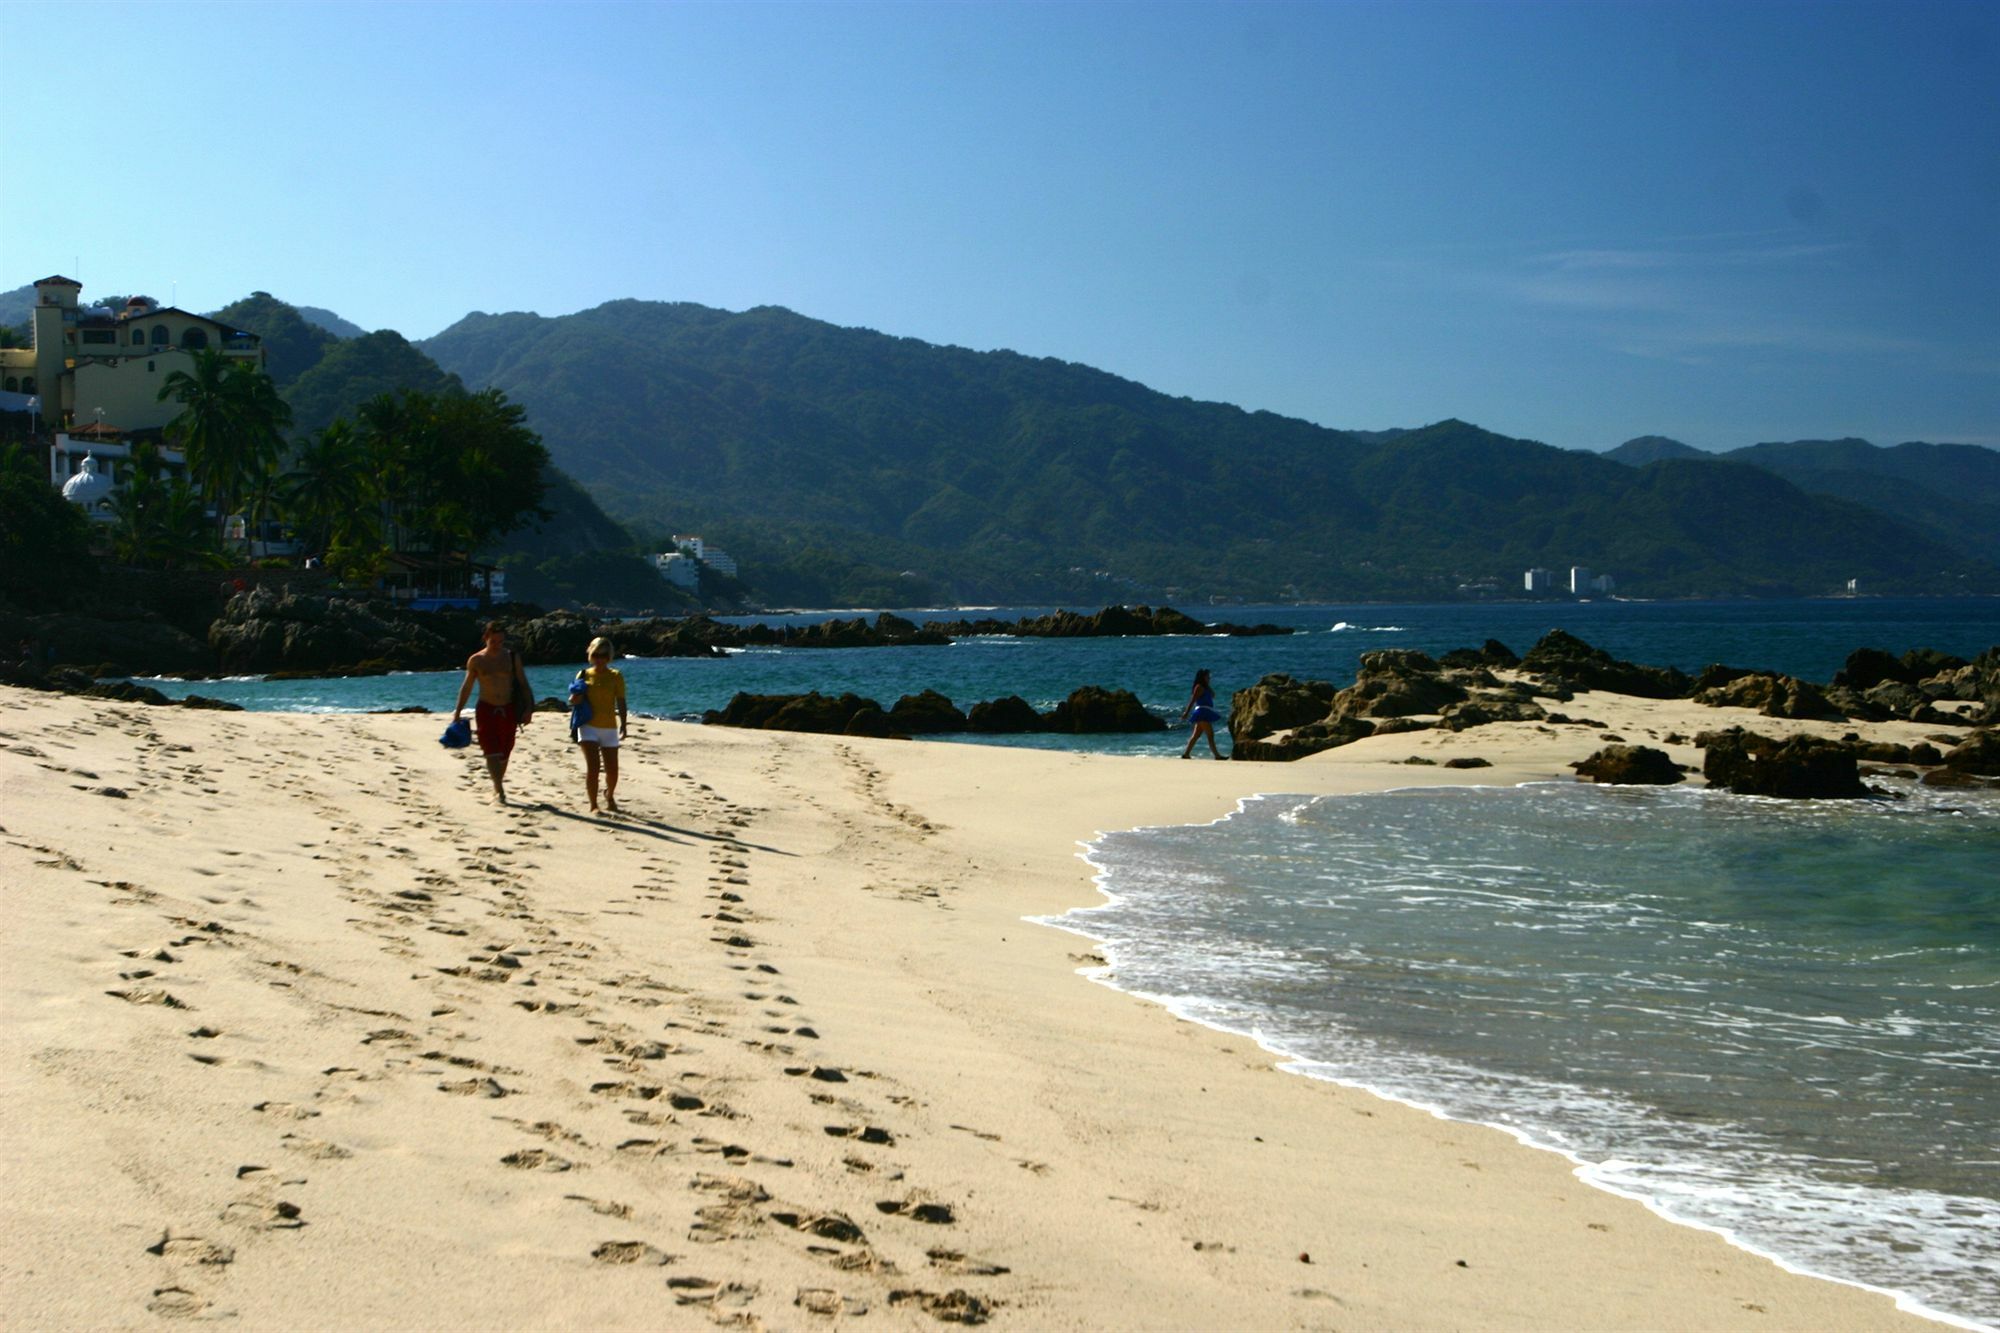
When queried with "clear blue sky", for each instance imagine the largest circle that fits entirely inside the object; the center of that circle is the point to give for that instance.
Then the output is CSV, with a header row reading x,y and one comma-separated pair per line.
x,y
1568,222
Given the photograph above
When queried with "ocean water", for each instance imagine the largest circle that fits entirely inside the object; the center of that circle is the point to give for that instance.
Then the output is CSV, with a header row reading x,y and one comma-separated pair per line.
x,y
1779,1020
1804,638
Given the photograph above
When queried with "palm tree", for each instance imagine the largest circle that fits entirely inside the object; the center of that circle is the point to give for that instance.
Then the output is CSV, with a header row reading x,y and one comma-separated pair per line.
x,y
231,425
158,522
328,489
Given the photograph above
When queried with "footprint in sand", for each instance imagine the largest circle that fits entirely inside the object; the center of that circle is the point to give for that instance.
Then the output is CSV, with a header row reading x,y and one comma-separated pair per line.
x,y
192,1249
828,1303
536,1159
956,1306
918,1209
630,1252
176,1303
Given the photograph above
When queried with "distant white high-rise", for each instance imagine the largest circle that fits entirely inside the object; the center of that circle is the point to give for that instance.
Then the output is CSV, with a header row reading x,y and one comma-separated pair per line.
x,y
1539,580
1579,580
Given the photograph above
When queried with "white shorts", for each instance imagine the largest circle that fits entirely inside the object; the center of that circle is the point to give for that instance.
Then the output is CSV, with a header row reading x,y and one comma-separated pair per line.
x,y
603,737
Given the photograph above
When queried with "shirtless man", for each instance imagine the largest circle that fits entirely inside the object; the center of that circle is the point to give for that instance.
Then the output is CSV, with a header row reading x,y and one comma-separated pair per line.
x,y
502,679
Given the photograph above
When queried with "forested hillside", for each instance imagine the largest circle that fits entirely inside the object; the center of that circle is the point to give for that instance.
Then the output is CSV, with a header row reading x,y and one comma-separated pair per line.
x,y
848,464
1949,492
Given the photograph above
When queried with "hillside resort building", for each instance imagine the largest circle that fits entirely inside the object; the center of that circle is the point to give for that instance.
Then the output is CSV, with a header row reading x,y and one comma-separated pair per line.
x,y
93,377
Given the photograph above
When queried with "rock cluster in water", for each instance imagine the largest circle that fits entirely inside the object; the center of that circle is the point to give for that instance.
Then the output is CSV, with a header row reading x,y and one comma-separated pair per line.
x,y
1090,710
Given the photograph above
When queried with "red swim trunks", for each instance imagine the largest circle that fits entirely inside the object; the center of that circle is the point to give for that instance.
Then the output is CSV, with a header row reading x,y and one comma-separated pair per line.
x,y
495,726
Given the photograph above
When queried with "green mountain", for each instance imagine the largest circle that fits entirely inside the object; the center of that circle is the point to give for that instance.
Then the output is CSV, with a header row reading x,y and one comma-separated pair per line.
x,y
1949,492
332,323
847,465
291,345
1651,449
355,370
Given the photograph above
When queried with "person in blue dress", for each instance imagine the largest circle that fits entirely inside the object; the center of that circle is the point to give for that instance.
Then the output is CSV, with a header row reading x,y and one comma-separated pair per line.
x,y
1201,711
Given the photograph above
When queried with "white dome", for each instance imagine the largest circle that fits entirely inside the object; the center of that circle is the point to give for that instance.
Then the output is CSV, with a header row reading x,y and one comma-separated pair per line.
x,y
88,487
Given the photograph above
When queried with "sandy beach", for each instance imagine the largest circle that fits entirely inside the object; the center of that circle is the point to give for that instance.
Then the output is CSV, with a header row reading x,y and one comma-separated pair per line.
x,y
302,1030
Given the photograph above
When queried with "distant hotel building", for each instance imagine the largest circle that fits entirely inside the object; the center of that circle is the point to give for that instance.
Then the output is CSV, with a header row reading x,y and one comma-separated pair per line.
x,y
682,566
1580,583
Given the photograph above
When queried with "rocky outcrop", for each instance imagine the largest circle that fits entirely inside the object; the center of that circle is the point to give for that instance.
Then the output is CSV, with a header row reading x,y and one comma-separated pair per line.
x,y
1629,765
1312,738
1277,703
1797,767
1772,695
1008,716
1484,708
1090,709
1492,654
112,642
1397,683
1563,660
1978,754
1094,709
1909,703
262,631
826,714
925,714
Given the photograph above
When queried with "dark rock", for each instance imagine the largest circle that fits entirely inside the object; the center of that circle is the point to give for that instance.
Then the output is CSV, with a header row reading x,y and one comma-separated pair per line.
x,y
1277,703
1564,660
1954,777
124,691
1010,715
203,701
1392,726
1854,704
1493,654
1868,667
925,714
1630,765
813,712
870,720
262,631
1312,738
1923,663
1094,709
1397,682
1478,711
1797,767
1715,675
127,640
1773,696
1978,753
1468,761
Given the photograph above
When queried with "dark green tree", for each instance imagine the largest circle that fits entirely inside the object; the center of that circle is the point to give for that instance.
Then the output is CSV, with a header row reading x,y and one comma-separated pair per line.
x,y
44,539
231,425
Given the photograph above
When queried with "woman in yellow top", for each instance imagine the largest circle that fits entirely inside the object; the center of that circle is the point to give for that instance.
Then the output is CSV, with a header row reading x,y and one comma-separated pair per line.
x,y
605,688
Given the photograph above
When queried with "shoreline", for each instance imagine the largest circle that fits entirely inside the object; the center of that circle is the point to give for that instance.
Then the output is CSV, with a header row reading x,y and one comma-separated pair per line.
x,y
1585,1169
301,1022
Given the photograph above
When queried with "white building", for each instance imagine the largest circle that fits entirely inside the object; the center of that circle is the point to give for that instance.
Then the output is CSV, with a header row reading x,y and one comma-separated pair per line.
x,y
1539,580
679,568
1579,580
714,557
91,466
1603,583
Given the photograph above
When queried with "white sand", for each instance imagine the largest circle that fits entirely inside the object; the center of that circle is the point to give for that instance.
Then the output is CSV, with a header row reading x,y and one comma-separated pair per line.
x,y
303,1031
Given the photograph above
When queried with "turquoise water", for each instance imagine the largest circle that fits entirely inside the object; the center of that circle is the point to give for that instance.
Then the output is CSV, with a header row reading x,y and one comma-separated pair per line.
x,y
1780,1020
1806,638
